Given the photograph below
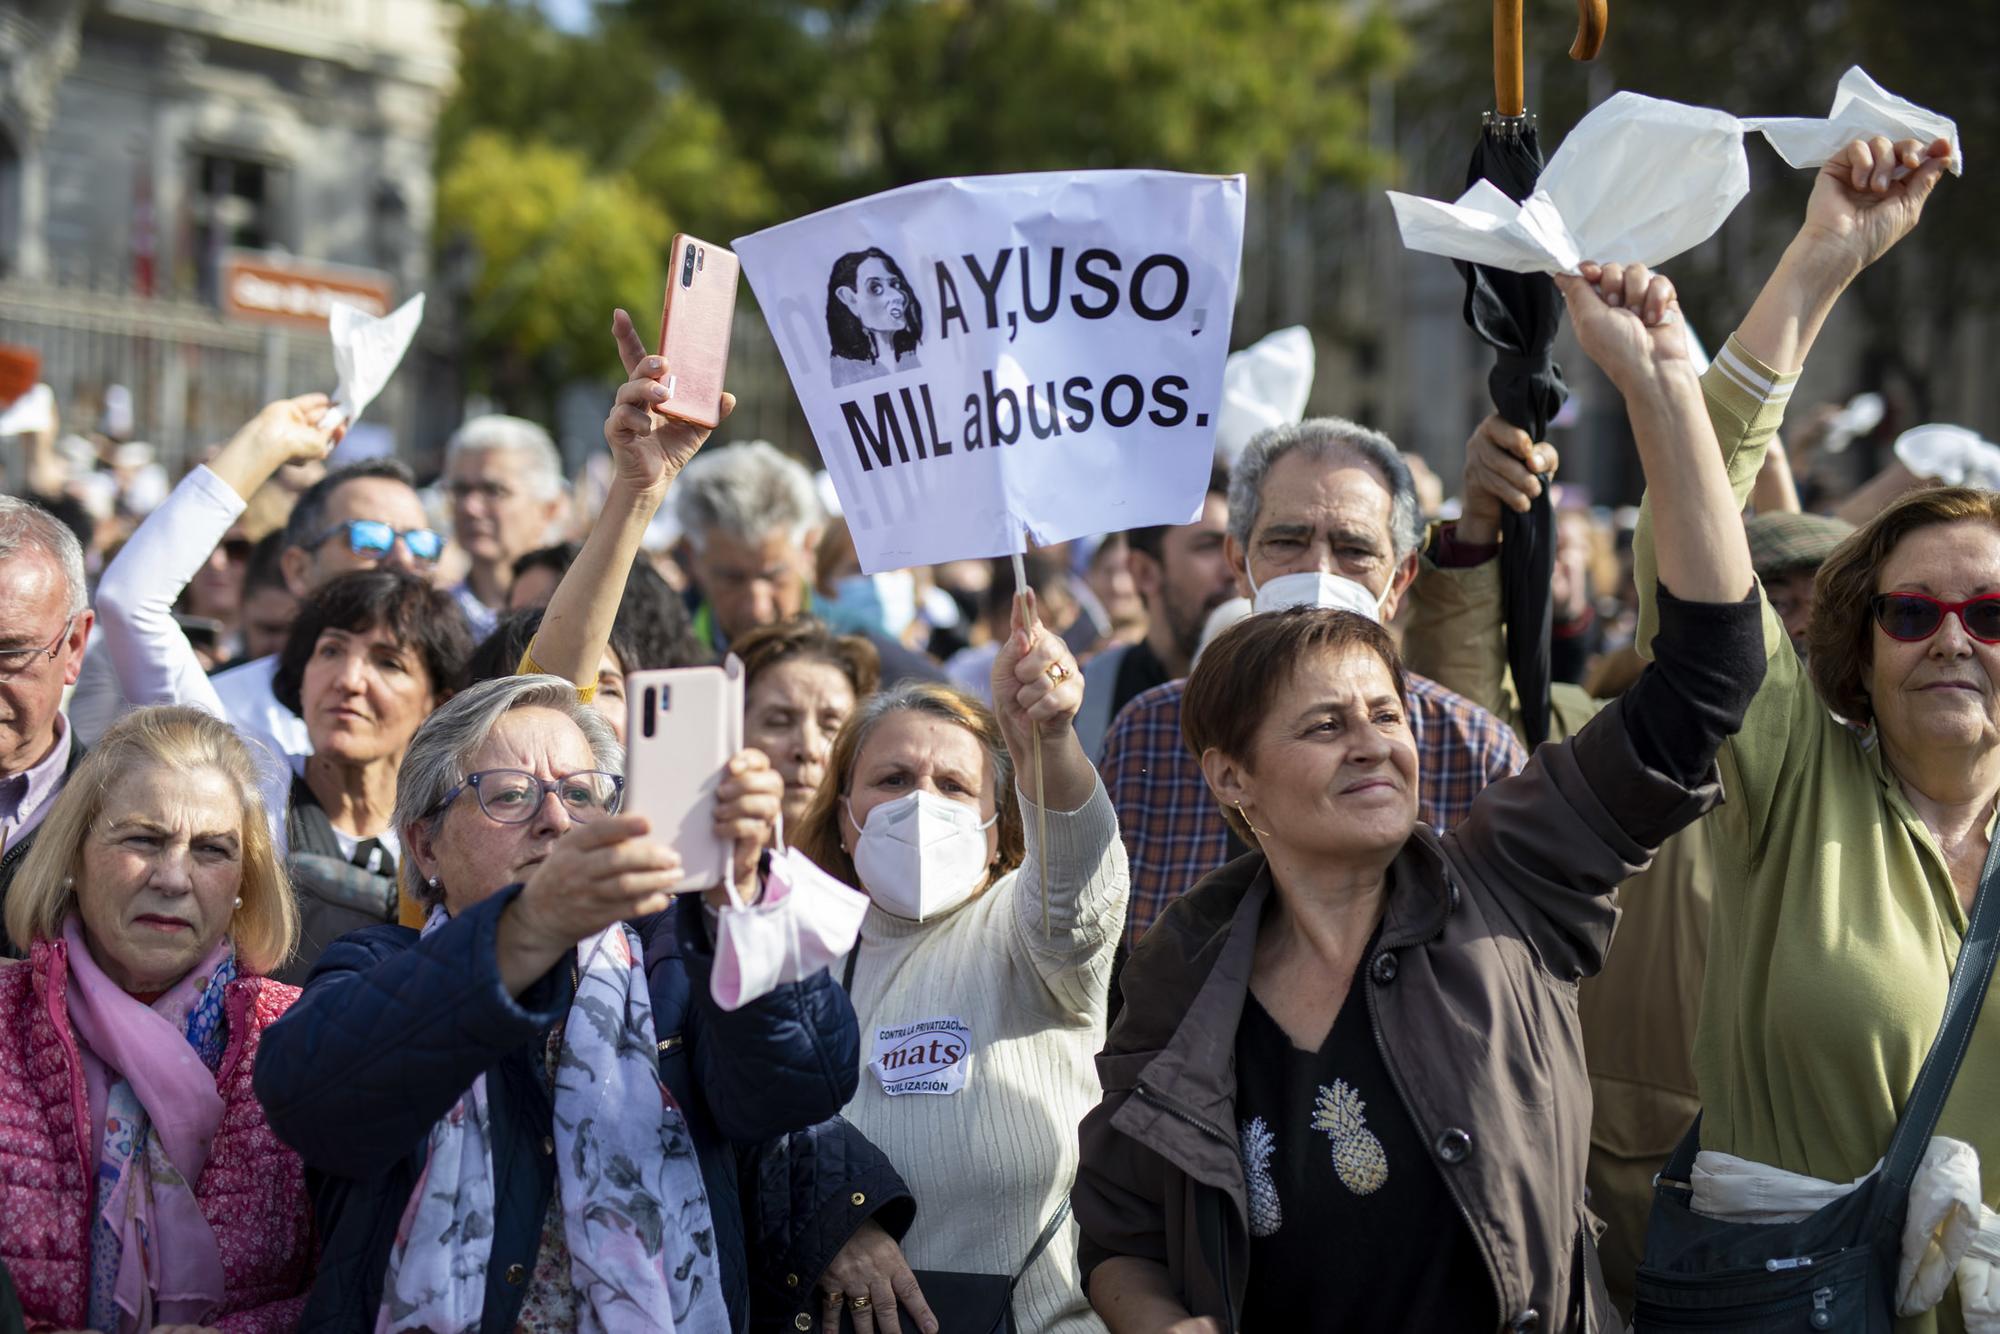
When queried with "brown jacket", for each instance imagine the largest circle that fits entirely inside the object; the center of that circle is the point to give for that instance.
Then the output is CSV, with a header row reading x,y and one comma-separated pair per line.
x,y
1639,1013
1472,996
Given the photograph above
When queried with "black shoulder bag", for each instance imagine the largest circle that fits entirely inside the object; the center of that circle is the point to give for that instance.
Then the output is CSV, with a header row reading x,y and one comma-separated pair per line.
x,y
972,1303
1836,1269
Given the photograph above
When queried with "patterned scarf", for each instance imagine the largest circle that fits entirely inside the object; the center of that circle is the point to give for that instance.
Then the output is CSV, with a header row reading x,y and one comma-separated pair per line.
x,y
634,1211
153,1256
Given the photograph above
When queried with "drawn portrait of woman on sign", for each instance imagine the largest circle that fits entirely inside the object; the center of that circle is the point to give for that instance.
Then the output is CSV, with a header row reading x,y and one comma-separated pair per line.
x,y
873,319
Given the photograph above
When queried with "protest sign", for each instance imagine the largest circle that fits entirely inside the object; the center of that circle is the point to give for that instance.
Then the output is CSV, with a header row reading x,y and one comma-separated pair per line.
x,y
993,361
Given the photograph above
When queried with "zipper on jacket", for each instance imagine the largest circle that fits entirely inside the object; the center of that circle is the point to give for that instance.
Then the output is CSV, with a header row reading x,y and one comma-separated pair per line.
x,y
1409,1109
1161,1101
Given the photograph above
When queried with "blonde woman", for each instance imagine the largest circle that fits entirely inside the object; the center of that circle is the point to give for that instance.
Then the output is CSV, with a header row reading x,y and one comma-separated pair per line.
x,y
141,1189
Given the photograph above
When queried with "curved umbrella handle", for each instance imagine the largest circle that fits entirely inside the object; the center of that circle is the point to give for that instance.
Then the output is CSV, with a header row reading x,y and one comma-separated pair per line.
x,y
1592,18
1510,83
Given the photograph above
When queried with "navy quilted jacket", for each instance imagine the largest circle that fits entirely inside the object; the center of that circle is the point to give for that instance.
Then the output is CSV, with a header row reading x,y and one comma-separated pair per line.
x,y
804,1194
392,1030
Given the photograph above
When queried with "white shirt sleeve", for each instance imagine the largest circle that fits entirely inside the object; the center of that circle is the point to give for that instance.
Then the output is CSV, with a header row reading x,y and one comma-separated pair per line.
x,y
135,598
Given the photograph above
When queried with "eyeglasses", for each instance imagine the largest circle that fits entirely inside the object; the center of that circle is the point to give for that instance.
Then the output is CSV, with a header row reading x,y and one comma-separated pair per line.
x,y
1913,617
510,796
14,661
371,539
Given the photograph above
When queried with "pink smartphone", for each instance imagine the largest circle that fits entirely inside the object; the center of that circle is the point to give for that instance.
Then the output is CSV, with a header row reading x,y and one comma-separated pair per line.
x,y
694,329
682,726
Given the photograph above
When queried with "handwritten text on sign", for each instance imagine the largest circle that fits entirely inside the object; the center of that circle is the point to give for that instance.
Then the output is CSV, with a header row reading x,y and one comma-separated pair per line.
x,y
984,356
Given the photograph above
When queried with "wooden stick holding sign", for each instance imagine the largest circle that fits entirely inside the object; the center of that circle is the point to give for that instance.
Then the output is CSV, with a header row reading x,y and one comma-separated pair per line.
x,y
1024,603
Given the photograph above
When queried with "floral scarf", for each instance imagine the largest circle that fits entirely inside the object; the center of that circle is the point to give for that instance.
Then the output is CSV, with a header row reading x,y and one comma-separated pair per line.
x,y
635,1213
155,1110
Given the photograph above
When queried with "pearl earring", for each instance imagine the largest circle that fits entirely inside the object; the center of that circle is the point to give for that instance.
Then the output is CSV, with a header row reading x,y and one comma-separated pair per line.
x,y
239,900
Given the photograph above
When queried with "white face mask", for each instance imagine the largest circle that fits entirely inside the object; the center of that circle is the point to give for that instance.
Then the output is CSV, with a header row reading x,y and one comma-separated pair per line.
x,y
1316,588
922,855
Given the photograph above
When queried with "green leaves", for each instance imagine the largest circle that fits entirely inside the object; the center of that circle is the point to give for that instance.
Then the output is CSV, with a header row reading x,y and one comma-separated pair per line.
x,y
567,160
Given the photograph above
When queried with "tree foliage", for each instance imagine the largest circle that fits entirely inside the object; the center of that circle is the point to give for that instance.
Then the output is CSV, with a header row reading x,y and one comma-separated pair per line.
x,y
558,246
717,117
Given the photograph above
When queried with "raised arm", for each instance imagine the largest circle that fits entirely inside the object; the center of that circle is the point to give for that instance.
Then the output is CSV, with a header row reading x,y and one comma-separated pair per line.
x,y
1863,202
1037,691
1588,813
649,448
1628,320
135,599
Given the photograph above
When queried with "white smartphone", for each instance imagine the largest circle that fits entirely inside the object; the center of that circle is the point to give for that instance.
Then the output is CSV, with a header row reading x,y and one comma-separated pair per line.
x,y
682,727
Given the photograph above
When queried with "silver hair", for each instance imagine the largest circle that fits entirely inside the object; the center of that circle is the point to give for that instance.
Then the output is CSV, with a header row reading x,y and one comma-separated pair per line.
x,y
439,752
515,435
748,491
25,526
1319,437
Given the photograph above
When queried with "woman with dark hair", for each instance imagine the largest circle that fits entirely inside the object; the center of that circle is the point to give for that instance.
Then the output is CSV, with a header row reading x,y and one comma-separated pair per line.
x,y
873,318
1366,1030
368,658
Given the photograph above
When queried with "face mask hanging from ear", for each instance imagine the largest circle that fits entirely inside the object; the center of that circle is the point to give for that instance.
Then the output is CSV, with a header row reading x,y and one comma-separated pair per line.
x,y
1316,588
805,920
921,855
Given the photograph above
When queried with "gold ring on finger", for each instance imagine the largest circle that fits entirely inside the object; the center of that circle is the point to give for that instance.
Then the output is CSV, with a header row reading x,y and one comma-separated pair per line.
x,y
858,1303
1057,673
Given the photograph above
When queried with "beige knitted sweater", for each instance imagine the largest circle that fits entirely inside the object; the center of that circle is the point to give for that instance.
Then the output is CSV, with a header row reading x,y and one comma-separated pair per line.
x,y
1024,1012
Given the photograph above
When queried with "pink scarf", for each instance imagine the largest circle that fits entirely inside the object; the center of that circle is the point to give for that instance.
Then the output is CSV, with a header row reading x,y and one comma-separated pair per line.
x,y
169,1261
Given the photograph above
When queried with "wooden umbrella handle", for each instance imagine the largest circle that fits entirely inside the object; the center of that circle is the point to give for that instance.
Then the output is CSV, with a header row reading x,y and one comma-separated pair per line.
x,y
1592,18
1510,84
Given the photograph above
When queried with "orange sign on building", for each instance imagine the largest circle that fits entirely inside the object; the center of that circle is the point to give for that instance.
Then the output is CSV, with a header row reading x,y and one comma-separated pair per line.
x,y
259,288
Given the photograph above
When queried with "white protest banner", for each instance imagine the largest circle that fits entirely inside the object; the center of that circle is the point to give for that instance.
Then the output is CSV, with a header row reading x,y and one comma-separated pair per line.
x,y
988,360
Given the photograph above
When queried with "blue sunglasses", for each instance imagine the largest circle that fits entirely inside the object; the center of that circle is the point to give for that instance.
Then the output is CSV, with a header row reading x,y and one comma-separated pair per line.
x,y
371,539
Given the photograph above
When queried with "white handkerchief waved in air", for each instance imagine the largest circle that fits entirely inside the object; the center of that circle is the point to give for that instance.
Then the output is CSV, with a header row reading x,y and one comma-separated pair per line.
x,y
1608,194
1640,180
366,352
1862,109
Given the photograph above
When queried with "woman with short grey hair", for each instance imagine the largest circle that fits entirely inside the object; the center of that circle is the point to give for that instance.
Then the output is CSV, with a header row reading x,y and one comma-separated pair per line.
x,y
487,1163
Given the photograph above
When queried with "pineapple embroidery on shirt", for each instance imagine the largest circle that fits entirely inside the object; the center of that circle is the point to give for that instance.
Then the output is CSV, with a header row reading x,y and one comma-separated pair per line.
x,y
1257,1143
1358,1159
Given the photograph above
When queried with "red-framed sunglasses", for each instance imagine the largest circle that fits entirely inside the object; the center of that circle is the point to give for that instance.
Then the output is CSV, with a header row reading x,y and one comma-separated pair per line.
x,y
1912,617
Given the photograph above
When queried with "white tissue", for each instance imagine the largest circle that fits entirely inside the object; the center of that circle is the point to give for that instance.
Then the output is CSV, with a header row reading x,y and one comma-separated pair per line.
x,y
1862,109
1264,385
1640,180
366,352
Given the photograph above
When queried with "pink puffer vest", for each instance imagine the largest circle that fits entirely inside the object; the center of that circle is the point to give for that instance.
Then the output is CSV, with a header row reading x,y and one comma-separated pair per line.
x,y
252,1191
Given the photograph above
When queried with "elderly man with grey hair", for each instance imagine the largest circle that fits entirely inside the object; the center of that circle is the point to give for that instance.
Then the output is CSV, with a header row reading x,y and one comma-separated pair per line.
x,y
750,519
45,620
504,476
1321,513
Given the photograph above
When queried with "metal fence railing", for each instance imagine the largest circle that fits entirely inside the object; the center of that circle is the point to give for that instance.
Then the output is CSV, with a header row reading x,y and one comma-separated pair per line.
x,y
194,377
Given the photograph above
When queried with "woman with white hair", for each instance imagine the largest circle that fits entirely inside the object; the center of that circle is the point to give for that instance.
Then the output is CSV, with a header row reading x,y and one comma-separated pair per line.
x,y
487,1163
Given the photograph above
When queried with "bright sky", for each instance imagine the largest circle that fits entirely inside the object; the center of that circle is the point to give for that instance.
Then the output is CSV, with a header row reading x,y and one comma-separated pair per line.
x,y
569,15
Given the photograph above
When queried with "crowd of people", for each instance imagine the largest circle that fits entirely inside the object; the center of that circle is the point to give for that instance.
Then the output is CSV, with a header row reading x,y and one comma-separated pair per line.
x,y
1227,961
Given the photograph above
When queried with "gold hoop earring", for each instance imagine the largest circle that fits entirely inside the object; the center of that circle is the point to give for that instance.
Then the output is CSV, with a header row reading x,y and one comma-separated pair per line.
x,y
1244,816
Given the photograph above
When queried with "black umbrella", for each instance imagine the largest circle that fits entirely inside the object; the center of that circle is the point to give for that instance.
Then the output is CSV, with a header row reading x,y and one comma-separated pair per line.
x,y
1518,314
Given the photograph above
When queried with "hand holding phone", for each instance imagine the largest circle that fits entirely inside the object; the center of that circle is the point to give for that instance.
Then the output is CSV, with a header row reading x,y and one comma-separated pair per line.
x,y
682,728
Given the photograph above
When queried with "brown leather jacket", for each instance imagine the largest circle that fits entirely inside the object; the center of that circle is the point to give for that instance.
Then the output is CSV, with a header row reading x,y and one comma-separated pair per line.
x,y
1473,999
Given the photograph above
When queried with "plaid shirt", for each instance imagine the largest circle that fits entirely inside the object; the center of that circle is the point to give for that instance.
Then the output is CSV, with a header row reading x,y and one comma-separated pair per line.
x,y
1174,832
